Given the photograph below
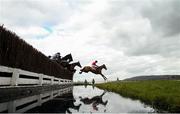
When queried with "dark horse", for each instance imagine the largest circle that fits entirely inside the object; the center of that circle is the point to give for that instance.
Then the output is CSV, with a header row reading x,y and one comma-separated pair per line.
x,y
66,60
72,66
96,100
74,107
86,69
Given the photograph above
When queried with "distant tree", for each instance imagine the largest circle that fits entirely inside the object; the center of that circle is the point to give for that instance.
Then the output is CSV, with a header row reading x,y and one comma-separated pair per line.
x,y
93,81
85,82
117,79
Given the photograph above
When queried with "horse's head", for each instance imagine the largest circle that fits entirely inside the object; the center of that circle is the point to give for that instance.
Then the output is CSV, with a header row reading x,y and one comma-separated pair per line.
x,y
104,66
76,64
79,64
70,57
67,57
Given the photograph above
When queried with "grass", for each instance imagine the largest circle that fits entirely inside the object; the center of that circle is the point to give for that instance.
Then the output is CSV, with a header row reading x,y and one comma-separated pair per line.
x,y
161,94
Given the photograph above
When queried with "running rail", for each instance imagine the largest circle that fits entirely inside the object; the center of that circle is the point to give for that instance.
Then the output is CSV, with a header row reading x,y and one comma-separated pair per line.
x,y
15,77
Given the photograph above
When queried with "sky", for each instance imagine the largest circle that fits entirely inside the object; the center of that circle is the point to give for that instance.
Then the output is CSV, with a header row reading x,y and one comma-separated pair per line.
x,y
132,37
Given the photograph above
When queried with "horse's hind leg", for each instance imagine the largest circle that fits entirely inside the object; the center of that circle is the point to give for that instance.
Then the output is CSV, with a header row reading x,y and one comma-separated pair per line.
x,y
104,77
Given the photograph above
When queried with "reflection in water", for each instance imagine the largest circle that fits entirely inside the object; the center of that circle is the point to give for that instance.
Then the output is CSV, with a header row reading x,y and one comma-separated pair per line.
x,y
39,103
96,100
75,99
59,104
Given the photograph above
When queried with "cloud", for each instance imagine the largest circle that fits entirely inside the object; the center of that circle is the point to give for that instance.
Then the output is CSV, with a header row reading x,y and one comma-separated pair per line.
x,y
142,28
33,13
31,32
164,16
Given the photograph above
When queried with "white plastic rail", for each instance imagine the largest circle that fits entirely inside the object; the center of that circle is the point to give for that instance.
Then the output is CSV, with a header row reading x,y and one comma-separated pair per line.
x,y
17,77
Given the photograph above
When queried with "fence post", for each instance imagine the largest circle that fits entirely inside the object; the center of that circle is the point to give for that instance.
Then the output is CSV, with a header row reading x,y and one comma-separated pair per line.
x,y
40,79
15,77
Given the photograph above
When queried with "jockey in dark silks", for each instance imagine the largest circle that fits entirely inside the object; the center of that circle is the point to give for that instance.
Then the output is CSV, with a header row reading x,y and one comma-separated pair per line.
x,y
56,57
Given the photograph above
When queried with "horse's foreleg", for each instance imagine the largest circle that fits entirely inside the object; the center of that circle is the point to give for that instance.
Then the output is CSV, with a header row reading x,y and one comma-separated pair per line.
x,y
104,77
81,70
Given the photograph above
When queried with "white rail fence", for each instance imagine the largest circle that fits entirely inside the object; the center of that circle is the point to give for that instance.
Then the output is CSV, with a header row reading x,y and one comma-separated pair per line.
x,y
15,77
25,104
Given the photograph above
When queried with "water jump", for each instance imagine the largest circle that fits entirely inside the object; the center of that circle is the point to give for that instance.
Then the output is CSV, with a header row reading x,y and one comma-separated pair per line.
x,y
94,69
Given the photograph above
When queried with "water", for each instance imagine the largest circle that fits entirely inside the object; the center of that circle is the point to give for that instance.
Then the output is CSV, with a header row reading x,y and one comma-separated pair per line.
x,y
106,102
75,99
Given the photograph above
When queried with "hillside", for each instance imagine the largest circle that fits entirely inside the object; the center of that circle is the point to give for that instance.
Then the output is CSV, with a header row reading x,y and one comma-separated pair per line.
x,y
154,77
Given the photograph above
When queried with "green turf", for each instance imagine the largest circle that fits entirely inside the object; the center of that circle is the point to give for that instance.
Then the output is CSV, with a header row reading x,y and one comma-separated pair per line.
x,y
161,94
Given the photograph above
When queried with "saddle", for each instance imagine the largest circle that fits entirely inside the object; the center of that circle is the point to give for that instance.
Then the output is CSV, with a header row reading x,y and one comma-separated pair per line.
x,y
94,68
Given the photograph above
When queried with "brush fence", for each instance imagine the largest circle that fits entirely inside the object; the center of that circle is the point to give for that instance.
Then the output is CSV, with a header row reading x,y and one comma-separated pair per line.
x,y
15,77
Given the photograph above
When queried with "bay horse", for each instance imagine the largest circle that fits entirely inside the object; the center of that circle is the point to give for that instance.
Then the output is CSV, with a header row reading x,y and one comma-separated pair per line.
x,y
98,70
73,65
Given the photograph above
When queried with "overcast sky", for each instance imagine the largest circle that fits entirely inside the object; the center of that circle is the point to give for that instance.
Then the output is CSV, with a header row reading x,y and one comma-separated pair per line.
x,y
132,37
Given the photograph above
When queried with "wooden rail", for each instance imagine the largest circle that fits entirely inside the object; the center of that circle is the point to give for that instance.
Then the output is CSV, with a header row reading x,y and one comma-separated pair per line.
x,y
15,77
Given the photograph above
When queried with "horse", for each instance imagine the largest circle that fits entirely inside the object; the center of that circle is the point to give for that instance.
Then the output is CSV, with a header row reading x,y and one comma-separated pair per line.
x,y
74,107
98,70
72,66
67,58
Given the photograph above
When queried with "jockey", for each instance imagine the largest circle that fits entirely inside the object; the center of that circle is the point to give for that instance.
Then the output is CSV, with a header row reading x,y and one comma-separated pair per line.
x,y
57,57
93,65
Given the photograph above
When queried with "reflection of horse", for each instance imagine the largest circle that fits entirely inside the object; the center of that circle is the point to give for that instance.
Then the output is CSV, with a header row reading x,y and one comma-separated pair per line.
x,y
96,100
86,69
72,66
74,107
